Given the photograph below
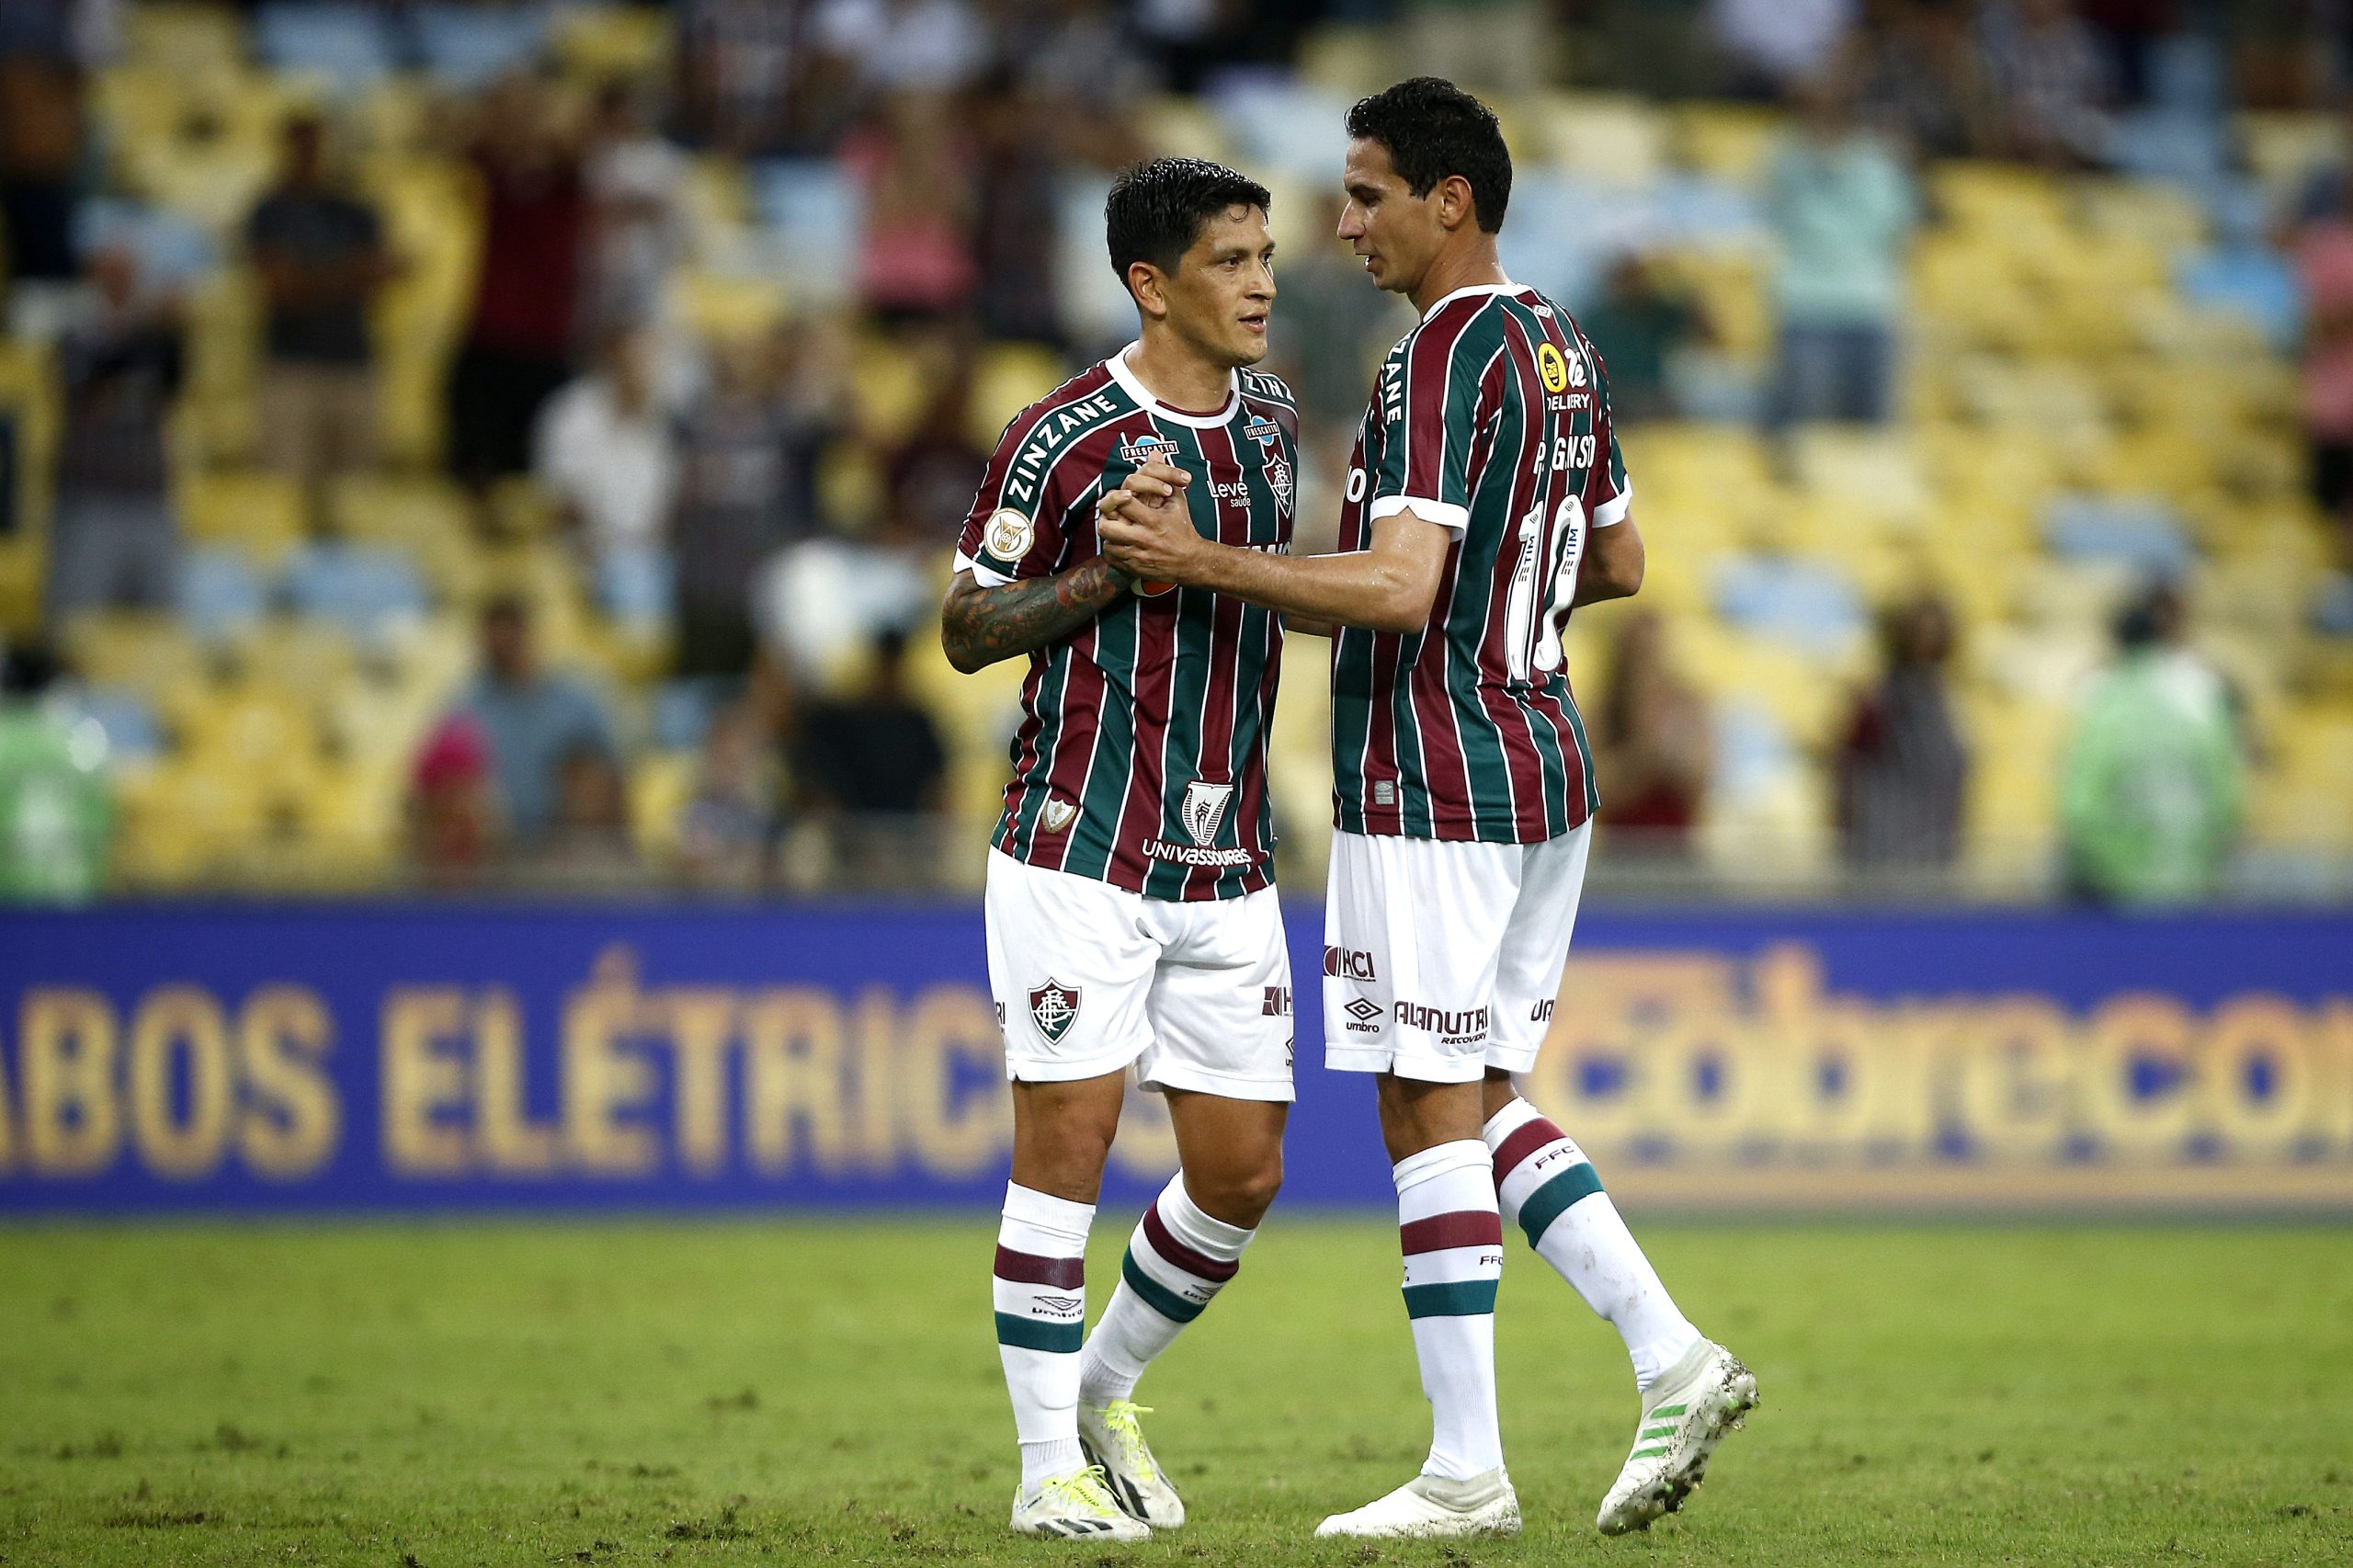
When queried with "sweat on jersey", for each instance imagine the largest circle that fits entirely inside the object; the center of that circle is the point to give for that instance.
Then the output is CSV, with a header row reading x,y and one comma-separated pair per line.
x,y
1492,420
1142,756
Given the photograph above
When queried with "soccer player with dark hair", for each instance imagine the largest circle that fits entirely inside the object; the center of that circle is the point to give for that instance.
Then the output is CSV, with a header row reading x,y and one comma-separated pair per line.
x,y
1485,500
1132,913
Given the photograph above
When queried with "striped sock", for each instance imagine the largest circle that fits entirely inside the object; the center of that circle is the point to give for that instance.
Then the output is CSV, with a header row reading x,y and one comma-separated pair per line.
x,y
1549,1190
1040,1291
1178,1258
1453,1240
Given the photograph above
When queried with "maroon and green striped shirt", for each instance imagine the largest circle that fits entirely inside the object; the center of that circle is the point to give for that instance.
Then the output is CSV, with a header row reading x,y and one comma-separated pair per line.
x,y
1141,755
1491,419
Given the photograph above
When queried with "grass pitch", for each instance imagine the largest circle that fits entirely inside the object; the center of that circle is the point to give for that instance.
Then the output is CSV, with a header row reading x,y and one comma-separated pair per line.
x,y
741,1393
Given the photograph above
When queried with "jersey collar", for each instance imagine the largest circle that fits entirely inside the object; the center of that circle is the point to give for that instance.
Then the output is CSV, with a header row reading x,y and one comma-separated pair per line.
x,y
1470,288
1117,365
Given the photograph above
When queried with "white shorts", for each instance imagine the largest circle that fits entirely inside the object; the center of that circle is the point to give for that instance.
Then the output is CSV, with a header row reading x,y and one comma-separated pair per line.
x,y
1090,977
1443,959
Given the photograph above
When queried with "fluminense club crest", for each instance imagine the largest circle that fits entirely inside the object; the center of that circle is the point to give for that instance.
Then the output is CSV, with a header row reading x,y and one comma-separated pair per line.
x,y
1053,1007
1204,809
1269,435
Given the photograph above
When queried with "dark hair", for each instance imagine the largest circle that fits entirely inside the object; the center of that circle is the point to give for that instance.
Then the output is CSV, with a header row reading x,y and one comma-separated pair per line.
x,y
1157,210
1433,128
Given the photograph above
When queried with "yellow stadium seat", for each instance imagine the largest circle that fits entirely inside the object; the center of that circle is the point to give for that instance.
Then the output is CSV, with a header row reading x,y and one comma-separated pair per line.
x,y
1173,126
1010,378
182,37
1612,139
660,788
1728,141
598,42
146,651
1351,59
719,306
257,513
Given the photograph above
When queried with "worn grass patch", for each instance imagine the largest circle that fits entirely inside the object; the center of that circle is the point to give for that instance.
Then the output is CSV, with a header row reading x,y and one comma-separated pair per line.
x,y
434,1396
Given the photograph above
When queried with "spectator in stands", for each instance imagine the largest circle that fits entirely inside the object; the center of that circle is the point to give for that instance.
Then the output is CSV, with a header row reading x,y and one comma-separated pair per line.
x,y
2129,32
636,218
112,541
2319,240
517,347
742,68
588,846
1639,328
56,817
1774,46
1902,769
1916,76
2049,83
453,819
741,448
871,767
320,257
729,828
1329,340
931,475
1018,216
918,169
1842,209
1653,744
2150,785
605,452
43,134
530,722
881,46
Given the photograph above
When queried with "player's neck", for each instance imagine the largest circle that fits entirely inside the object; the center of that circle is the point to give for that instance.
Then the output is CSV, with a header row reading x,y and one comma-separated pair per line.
x,y
1470,264
1179,376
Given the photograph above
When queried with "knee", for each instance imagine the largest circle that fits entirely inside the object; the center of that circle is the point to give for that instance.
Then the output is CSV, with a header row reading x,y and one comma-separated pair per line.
x,y
1240,1196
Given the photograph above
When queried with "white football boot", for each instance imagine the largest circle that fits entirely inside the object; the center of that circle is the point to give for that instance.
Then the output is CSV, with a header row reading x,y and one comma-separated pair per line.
x,y
1684,1415
1430,1507
1076,1507
1115,1442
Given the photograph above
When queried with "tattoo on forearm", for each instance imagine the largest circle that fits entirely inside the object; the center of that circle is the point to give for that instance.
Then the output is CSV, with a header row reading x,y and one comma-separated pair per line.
x,y
979,626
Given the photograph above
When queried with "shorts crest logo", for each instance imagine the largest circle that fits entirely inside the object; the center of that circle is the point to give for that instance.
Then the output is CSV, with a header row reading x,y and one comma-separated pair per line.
x,y
1009,535
1053,1007
1204,809
1056,815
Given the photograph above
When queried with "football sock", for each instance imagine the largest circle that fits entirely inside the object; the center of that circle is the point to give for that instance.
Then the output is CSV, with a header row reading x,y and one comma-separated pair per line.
x,y
1453,1241
1040,1291
1547,1189
1178,1259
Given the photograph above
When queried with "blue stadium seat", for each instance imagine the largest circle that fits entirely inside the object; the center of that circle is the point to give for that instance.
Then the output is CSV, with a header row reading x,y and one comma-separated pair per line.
x,y
636,586
220,594
2248,280
1285,125
465,46
133,733
364,590
814,213
2141,532
1806,602
683,711
348,43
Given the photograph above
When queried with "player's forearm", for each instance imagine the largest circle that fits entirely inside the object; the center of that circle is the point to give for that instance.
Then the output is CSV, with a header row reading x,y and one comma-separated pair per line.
x,y
979,626
1612,567
1365,588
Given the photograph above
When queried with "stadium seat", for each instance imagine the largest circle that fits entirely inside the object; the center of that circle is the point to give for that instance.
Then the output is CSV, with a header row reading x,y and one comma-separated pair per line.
x,y
259,516
465,46
347,44
1808,604
133,732
600,43
220,594
365,589
2141,533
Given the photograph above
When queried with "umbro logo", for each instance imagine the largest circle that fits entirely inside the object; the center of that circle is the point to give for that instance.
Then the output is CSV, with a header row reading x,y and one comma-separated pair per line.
x,y
1060,1306
1364,1010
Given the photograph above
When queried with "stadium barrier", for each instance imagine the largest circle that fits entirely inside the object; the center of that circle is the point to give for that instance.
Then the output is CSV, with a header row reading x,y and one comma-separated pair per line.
x,y
420,1058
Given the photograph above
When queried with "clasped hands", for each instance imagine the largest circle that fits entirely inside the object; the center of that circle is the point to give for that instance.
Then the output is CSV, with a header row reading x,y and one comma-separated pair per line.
x,y
1146,530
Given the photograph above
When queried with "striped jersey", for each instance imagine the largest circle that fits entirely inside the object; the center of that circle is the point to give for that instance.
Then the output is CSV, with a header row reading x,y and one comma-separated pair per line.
x,y
1491,419
1141,755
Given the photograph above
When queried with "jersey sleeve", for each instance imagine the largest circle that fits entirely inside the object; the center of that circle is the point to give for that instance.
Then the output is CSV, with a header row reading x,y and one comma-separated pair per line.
x,y
1608,493
1429,414
1015,528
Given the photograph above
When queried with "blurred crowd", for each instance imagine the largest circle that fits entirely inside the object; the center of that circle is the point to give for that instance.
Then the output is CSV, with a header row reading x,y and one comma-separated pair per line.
x,y
724,496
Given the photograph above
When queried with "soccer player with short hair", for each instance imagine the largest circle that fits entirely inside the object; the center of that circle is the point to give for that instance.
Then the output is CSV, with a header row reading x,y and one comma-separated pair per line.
x,y
1485,500
1131,913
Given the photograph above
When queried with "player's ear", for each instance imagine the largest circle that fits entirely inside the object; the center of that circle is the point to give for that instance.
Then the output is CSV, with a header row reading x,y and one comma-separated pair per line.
x,y
1455,204
1149,285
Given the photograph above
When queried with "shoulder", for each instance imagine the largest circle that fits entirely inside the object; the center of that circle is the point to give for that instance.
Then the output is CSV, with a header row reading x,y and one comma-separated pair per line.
x,y
1084,400
1268,387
